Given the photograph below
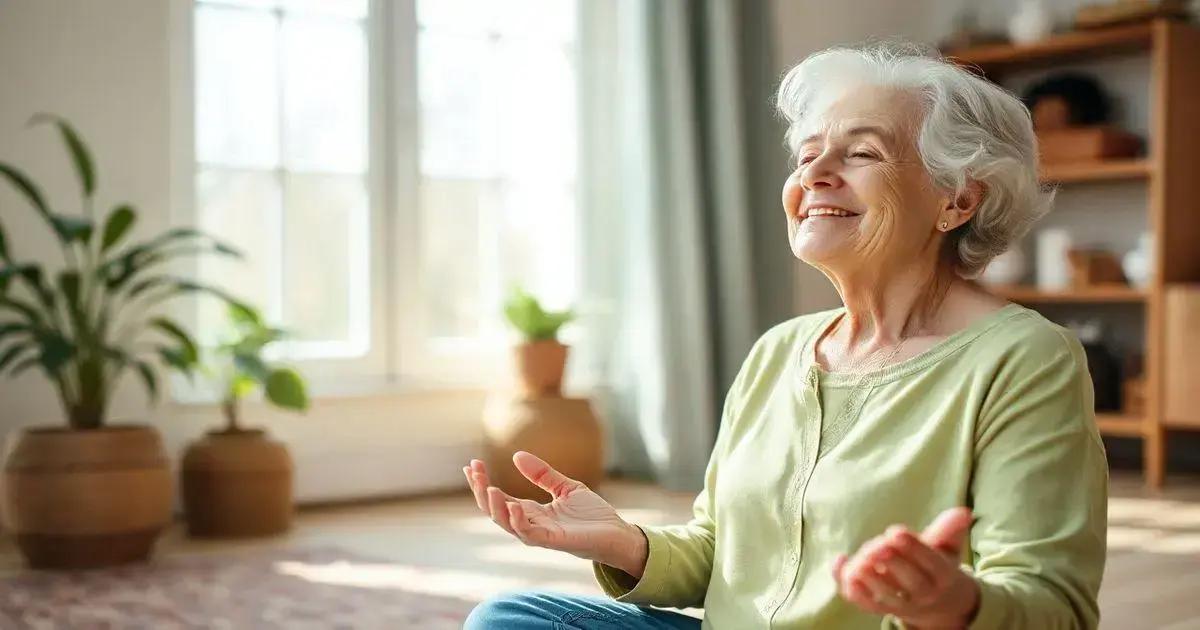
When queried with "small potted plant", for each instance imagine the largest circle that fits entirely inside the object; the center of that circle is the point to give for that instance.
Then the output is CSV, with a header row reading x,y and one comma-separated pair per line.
x,y
562,430
237,481
540,360
89,493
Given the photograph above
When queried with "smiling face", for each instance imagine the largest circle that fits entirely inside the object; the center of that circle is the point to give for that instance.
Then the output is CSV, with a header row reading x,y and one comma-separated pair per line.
x,y
860,197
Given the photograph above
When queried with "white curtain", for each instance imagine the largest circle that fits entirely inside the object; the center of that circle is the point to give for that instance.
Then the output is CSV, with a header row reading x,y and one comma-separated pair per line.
x,y
669,224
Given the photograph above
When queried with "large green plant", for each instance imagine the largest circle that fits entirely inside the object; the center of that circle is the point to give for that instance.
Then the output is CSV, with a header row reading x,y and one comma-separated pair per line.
x,y
99,317
535,323
243,368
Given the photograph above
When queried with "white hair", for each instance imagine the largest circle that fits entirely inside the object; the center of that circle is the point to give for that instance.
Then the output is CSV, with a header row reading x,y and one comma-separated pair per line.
x,y
973,130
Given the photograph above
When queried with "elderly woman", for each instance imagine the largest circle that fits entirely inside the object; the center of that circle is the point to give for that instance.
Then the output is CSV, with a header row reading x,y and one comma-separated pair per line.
x,y
925,456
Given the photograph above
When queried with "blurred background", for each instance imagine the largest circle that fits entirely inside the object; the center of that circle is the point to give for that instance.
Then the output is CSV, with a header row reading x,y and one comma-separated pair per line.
x,y
272,271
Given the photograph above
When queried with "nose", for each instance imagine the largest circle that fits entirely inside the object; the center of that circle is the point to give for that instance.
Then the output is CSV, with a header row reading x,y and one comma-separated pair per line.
x,y
822,172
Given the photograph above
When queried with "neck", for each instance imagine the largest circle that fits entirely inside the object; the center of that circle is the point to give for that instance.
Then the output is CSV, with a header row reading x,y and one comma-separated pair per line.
x,y
883,307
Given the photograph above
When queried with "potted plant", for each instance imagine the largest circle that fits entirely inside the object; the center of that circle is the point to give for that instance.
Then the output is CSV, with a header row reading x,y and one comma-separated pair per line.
x,y
540,360
236,480
562,430
91,494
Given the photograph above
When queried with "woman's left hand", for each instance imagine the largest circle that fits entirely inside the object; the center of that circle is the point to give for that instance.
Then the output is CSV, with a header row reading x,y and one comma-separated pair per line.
x,y
914,577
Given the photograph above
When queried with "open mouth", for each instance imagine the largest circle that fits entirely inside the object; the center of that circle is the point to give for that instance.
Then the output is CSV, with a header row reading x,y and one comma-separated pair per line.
x,y
828,212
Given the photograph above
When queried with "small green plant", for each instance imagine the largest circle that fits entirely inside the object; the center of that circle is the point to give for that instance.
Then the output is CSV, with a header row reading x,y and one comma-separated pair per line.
x,y
526,314
244,369
88,324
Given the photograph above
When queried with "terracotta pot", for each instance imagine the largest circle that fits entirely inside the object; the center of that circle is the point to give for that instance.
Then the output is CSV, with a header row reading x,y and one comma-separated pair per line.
x,y
563,431
77,499
237,484
540,366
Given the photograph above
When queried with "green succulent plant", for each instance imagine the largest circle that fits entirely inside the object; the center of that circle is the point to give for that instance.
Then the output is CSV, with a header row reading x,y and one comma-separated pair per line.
x,y
99,317
526,314
245,369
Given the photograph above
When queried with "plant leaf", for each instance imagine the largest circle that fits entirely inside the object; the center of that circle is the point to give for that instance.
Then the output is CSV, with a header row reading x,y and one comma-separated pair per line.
x,y
4,246
68,282
56,351
71,229
24,365
149,380
251,365
175,358
26,186
285,388
30,313
11,354
187,346
79,153
12,328
119,221
241,386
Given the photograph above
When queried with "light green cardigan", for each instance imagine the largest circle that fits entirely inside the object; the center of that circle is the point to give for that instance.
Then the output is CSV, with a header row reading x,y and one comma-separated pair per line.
x,y
997,417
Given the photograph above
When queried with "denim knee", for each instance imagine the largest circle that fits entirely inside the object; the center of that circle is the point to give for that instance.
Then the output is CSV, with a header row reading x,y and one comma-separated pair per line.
x,y
516,611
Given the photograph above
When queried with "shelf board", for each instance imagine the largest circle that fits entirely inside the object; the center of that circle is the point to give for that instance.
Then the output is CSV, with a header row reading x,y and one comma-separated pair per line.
x,y
1110,170
1057,48
1117,293
1119,424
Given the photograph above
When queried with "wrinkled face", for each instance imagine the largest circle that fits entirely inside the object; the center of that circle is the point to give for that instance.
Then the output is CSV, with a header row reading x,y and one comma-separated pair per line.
x,y
860,198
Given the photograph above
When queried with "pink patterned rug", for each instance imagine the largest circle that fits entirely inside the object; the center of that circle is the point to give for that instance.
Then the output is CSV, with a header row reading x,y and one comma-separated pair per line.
x,y
285,588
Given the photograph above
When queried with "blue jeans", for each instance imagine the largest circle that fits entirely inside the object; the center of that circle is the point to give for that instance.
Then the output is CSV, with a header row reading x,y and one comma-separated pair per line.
x,y
553,611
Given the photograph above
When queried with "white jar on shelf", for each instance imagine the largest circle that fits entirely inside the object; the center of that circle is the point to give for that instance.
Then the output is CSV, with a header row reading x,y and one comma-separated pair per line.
x,y
1053,266
1006,269
1137,264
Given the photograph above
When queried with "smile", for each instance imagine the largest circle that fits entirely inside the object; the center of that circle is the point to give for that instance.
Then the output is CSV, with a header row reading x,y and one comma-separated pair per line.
x,y
827,211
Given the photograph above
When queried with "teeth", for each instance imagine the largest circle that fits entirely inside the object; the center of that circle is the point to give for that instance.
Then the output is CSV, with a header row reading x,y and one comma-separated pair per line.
x,y
822,212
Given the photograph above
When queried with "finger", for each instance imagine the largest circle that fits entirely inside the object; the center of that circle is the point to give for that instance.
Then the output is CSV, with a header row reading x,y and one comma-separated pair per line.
x,y
948,532
934,564
520,521
858,594
496,502
839,563
866,558
479,484
885,593
543,476
909,578
471,484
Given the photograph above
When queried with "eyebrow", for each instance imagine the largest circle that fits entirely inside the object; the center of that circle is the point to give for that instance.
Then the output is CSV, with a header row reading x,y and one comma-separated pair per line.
x,y
857,131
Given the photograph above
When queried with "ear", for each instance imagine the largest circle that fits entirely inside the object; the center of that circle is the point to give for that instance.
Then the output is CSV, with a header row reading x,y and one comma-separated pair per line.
x,y
960,209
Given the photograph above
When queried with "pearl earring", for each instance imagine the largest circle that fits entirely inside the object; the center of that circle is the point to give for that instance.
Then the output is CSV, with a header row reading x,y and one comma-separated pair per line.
x,y
944,225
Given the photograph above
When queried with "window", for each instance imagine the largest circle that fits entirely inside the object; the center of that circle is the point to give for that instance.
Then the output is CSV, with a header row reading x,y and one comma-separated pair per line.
x,y
390,169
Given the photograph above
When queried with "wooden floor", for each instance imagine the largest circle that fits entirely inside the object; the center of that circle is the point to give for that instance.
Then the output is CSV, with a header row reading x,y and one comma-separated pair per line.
x,y
440,545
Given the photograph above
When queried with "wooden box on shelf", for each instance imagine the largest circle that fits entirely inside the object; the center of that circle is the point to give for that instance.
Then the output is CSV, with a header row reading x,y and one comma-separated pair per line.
x,y
1087,144
1181,368
1094,268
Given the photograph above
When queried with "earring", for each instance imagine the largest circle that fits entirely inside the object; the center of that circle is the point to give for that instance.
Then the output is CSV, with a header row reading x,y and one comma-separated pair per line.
x,y
944,225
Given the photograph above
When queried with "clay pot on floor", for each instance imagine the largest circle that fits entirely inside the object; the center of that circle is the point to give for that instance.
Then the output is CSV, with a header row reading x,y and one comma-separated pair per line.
x,y
539,366
80,499
237,484
563,431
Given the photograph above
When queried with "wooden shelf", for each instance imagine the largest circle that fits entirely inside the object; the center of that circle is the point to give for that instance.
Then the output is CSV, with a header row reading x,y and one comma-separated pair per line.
x,y
1119,424
1057,48
1118,293
1111,170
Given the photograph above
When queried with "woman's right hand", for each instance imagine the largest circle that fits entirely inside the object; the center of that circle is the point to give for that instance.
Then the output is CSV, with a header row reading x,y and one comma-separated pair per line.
x,y
576,520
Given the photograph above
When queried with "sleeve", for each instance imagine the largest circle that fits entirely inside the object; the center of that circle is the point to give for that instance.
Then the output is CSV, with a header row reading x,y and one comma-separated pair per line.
x,y
680,558
1039,492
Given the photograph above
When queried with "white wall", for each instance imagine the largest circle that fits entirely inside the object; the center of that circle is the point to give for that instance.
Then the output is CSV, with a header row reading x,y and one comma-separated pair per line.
x,y
106,66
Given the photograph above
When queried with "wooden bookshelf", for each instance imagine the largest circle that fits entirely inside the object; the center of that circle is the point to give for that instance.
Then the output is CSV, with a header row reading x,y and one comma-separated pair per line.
x,y
1120,425
1171,174
1099,295
1110,170
1058,49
